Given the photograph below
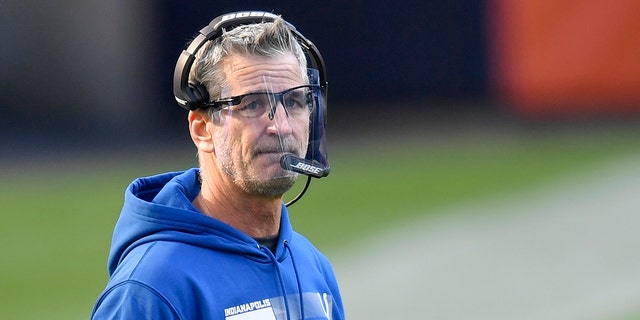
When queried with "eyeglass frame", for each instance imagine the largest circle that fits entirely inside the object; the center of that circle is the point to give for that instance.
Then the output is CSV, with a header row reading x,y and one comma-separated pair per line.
x,y
222,103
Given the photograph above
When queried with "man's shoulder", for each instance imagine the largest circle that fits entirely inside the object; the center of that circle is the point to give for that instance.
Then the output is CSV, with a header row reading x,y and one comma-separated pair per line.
x,y
132,300
155,262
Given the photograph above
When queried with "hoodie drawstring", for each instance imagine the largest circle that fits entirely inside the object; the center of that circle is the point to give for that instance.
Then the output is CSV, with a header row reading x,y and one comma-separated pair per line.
x,y
295,271
282,287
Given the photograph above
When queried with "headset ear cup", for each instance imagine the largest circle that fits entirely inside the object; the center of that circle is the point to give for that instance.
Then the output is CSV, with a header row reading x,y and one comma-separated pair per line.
x,y
197,94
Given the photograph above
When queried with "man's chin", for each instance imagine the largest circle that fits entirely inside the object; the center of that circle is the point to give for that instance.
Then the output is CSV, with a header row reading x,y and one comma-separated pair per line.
x,y
274,186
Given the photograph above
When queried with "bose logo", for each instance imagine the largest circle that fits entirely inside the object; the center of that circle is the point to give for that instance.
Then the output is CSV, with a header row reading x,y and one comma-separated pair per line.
x,y
246,14
307,168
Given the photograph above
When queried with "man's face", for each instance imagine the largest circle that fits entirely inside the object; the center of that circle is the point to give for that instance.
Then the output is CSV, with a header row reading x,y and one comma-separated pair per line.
x,y
248,150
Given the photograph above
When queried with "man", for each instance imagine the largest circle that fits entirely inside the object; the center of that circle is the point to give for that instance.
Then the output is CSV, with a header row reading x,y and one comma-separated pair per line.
x,y
215,242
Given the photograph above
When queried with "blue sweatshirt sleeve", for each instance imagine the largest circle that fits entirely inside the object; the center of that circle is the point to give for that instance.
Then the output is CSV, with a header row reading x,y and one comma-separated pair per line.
x,y
132,300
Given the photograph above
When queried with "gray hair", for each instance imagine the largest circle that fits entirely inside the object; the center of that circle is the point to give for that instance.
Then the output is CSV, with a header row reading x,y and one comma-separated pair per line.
x,y
268,39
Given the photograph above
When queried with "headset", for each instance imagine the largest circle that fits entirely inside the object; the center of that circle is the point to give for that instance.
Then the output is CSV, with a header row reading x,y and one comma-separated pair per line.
x,y
193,96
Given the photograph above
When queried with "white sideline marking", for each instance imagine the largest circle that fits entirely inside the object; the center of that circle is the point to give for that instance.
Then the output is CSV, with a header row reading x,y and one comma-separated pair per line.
x,y
570,250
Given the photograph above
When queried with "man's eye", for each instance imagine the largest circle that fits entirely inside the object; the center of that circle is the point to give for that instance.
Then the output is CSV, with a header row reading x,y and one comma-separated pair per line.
x,y
254,102
293,103
253,105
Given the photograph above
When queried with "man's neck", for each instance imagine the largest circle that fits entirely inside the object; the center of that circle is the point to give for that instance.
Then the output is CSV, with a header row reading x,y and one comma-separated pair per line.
x,y
254,216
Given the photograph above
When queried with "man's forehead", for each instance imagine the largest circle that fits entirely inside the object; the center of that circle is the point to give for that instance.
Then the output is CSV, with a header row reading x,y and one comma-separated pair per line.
x,y
262,73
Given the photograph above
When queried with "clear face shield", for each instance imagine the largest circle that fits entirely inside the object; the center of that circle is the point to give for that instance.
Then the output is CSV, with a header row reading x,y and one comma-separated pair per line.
x,y
265,139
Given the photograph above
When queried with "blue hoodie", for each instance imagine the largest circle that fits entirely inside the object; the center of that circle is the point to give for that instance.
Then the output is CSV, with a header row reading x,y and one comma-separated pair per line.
x,y
169,261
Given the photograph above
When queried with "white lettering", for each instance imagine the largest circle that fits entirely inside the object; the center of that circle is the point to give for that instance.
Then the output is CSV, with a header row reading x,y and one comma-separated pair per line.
x,y
255,305
307,167
326,305
245,14
227,17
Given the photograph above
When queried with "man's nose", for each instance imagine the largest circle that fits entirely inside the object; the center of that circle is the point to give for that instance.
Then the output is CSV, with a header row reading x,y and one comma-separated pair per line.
x,y
279,120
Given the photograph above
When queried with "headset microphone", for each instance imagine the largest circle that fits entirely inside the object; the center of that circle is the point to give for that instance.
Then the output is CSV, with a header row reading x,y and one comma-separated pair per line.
x,y
300,165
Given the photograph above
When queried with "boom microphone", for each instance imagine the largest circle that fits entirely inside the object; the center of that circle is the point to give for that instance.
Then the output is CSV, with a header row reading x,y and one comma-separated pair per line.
x,y
296,164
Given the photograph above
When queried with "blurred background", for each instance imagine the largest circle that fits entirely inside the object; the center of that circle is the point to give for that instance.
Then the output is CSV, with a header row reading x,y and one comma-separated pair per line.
x,y
546,88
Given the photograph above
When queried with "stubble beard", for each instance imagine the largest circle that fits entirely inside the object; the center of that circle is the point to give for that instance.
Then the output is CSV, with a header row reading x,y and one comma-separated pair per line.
x,y
249,179
273,187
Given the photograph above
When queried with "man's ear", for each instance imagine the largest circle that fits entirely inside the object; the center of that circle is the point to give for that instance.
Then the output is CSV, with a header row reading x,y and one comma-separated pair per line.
x,y
200,134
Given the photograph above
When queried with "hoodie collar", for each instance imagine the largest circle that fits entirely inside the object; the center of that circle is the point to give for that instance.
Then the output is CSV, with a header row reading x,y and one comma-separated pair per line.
x,y
160,208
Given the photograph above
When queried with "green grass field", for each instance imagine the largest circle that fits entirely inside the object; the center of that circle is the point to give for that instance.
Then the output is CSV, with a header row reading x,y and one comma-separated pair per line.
x,y
57,220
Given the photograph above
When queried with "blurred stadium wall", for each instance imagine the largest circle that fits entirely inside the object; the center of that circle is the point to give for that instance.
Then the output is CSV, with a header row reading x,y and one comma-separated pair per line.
x,y
74,72
80,73
566,58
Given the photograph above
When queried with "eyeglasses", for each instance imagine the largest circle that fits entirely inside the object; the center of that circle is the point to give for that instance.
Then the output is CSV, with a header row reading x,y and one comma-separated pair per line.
x,y
297,102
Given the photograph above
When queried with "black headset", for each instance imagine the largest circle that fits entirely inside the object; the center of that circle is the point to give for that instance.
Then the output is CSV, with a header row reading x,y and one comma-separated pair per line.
x,y
192,96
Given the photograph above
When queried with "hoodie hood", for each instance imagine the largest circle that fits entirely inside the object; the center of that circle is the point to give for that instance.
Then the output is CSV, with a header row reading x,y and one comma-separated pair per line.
x,y
159,208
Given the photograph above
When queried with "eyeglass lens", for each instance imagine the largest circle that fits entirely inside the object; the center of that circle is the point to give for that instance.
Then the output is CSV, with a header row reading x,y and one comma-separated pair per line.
x,y
297,102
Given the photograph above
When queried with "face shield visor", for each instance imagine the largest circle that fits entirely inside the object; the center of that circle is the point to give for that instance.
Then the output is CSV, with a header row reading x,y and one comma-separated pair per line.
x,y
265,139
315,162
